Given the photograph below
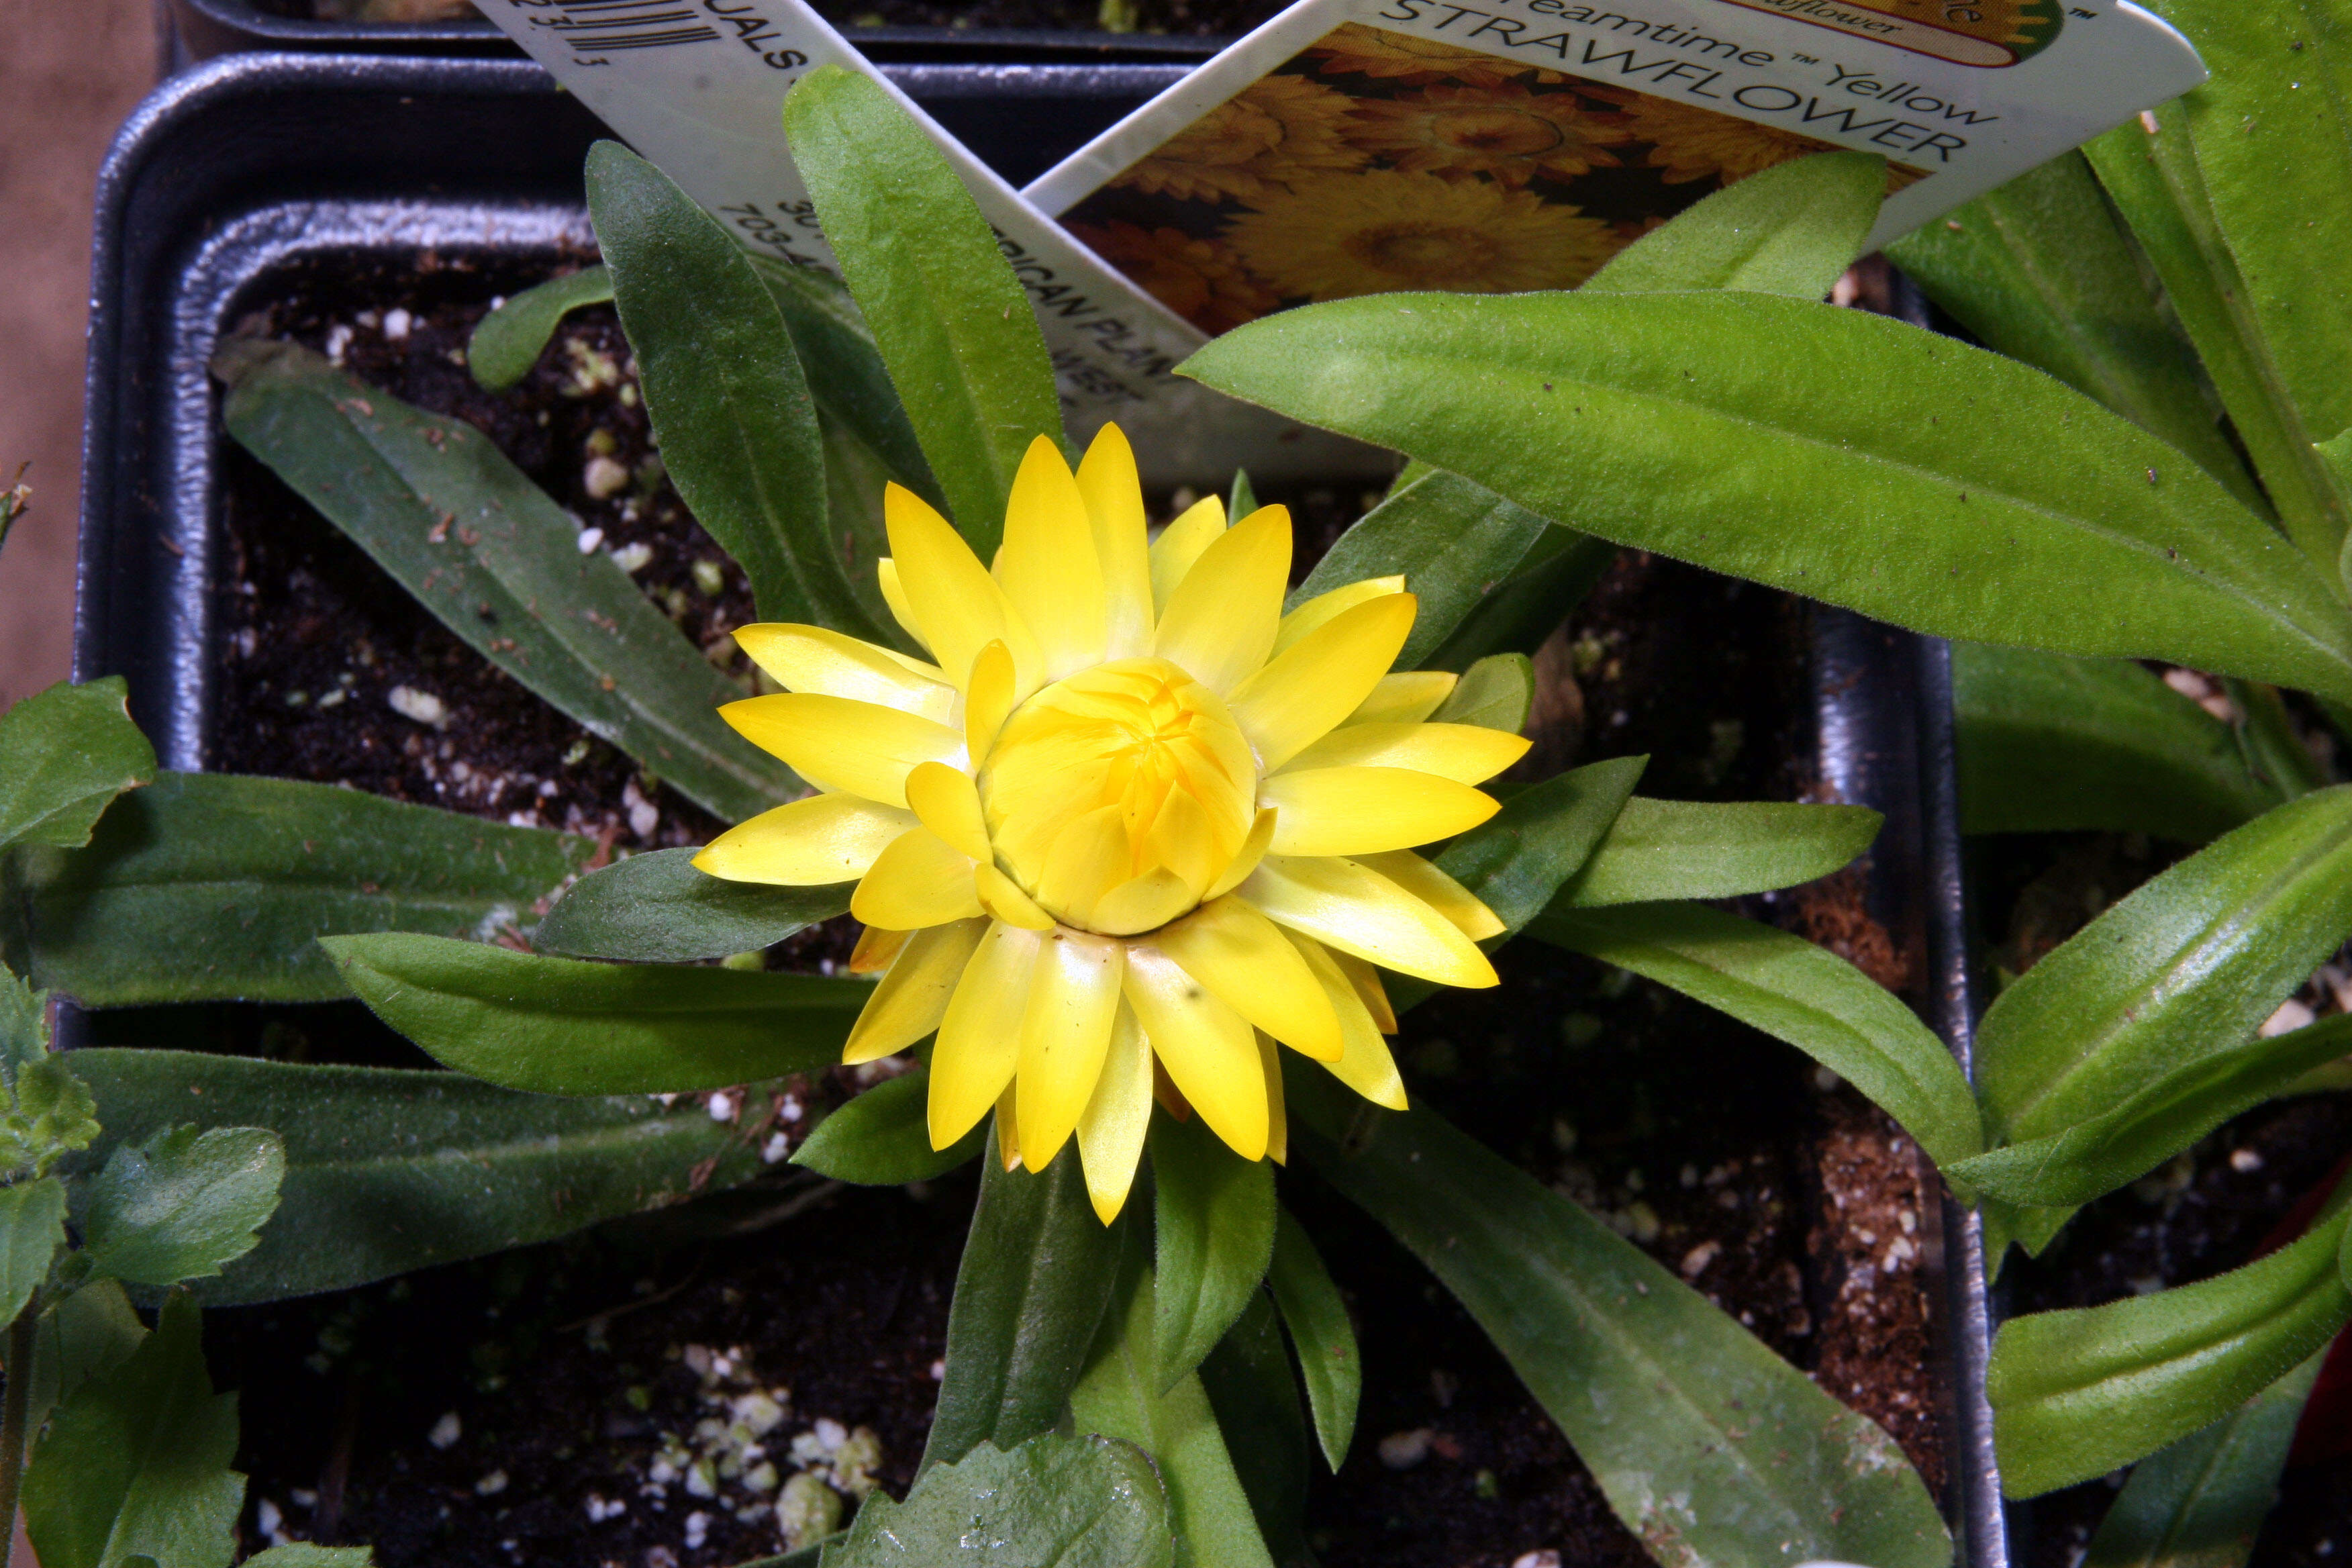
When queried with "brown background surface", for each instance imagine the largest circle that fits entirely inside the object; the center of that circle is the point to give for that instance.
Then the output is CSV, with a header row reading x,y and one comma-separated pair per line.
x,y
72,70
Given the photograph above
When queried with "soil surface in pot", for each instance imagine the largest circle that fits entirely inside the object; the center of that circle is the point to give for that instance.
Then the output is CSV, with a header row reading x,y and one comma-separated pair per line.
x,y
569,1405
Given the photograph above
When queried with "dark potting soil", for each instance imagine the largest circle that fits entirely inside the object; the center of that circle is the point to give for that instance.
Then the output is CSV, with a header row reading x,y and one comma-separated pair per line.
x,y
1211,17
577,1372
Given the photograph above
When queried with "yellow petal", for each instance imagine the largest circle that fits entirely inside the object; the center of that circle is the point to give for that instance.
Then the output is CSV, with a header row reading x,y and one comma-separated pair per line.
x,y
1319,610
811,658
1240,955
1114,496
920,881
1008,1129
811,843
1467,753
1048,566
958,607
988,699
894,594
1142,903
912,998
1277,1119
876,949
1441,892
1110,1133
1252,850
1180,544
1000,895
1362,811
1407,697
1308,689
859,747
1209,1049
1073,997
1349,906
980,1037
1219,622
949,804
1368,989
1365,1065
1087,859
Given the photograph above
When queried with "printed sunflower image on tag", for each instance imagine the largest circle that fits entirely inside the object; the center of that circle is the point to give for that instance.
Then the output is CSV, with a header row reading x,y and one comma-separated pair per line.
x,y
1356,147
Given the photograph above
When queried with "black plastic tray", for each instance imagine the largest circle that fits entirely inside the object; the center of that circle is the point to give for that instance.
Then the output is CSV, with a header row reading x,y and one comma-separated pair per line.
x,y
254,161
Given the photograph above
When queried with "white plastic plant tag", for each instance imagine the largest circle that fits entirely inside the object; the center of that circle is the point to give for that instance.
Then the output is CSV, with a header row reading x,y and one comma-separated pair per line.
x,y
1358,146
698,88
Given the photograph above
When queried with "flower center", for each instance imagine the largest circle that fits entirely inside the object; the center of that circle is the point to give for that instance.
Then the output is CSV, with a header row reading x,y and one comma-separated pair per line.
x,y
1428,253
1117,796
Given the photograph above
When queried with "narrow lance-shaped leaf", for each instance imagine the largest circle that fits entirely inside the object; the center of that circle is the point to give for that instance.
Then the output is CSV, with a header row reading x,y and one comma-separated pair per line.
x,y
1697,1434
1516,614
64,754
1072,1502
2076,1393
1795,992
2271,745
730,403
1660,849
209,887
1791,229
1316,1318
1254,1396
2043,271
658,909
953,324
558,1026
1214,1224
497,562
1035,1279
2053,744
389,1170
882,1138
1828,452
182,1205
509,341
1495,694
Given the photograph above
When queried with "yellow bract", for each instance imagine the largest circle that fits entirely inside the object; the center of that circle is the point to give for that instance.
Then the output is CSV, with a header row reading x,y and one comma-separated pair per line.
x,y
1132,813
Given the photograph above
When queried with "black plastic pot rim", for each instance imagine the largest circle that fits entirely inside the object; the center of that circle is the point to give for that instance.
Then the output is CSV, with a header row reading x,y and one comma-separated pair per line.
x,y
246,162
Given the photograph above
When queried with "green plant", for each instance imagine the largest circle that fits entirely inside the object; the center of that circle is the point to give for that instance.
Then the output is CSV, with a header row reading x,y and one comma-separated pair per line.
x,y
2099,511
781,401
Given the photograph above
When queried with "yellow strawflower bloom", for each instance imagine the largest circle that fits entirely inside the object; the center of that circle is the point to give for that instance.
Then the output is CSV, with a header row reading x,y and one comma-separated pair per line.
x,y
1133,824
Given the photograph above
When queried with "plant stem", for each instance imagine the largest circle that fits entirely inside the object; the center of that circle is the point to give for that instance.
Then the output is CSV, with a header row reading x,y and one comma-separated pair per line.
x,y
16,1404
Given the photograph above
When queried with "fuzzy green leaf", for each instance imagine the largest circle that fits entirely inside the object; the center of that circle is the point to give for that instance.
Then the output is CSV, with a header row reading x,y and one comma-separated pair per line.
x,y
1662,850
303,1555
558,1026
183,1205
1071,1502
1791,229
1214,1214
882,1138
1517,613
1517,859
1254,1395
1494,693
83,1333
48,1112
64,754
1318,1320
509,341
656,908
1828,452
32,1228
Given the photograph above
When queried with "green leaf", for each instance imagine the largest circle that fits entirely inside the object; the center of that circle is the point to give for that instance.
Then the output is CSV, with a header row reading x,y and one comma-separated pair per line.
x,y
1072,1503
2076,1393
2156,185
2273,747
136,1461
2200,1502
2183,970
557,1026
1833,453
2154,1123
32,1228
48,1116
64,754
1494,693
1661,849
882,1138
509,341
656,908
440,508
1516,860
1515,616
183,1205
1243,499
1035,1279
1791,229
209,886
302,1554
1795,992
1710,1447
2052,744
731,405
953,324
1326,1341
24,1024
1121,1396
389,1170
2043,271
1454,542
1214,1220
83,1333
1254,1396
